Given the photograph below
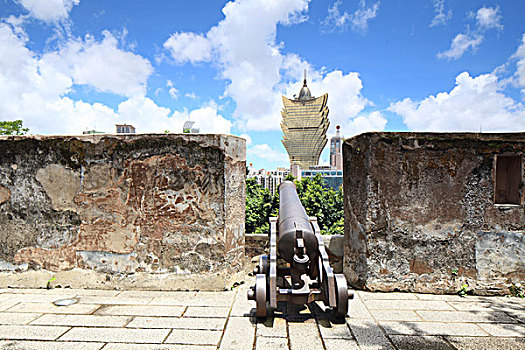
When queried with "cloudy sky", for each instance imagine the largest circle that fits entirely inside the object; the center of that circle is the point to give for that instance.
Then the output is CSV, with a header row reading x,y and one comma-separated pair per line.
x,y
436,65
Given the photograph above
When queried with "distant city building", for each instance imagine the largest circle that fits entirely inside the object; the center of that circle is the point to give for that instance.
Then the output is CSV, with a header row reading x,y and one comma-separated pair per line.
x,y
304,125
92,132
125,129
270,179
189,129
332,177
336,154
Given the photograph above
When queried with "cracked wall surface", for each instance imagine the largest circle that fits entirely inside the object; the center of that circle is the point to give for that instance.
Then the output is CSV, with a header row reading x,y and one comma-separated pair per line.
x,y
420,213
124,205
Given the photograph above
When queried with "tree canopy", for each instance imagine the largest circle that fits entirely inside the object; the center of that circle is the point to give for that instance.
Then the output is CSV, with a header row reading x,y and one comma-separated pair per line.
x,y
324,203
12,128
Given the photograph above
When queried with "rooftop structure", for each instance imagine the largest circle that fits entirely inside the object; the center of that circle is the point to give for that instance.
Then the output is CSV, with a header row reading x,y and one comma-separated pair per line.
x,y
304,125
125,129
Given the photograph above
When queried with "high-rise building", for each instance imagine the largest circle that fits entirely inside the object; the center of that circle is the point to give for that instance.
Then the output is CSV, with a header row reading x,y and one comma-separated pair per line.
x,y
336,155
304,125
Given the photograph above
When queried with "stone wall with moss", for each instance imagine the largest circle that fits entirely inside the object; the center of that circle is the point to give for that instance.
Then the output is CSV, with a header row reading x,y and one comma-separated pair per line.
x,y
420,213
155,211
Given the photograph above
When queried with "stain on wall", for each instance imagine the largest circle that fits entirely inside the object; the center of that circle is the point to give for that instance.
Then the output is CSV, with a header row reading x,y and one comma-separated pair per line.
x,y
420,206
161,204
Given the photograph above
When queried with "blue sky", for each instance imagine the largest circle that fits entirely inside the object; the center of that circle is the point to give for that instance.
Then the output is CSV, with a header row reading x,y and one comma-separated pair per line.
x,y
424,65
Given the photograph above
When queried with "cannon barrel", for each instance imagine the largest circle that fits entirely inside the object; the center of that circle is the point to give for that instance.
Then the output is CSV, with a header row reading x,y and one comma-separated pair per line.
x,y
293,218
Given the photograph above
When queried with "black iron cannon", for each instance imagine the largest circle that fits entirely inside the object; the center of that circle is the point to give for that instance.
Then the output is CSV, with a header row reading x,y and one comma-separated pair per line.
x,y
297,269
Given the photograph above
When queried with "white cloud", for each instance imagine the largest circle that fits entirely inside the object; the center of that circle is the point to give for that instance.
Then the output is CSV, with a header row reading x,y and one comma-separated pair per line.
x,y
174,93
460,44
486,18
248,139
190,95
34,90
364,123
264,151
102,65
190,47
441,17
520,66
49,10
358,20
474,103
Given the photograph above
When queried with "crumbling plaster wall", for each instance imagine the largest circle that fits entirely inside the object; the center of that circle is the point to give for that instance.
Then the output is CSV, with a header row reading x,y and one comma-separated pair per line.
x,y
147,211
418,206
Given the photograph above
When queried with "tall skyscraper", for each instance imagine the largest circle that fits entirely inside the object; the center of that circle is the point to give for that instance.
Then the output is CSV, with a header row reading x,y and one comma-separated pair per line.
x,y
336,155
304,125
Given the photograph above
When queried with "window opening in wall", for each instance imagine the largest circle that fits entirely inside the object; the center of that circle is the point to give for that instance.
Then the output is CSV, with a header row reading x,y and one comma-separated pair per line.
x,y
508,179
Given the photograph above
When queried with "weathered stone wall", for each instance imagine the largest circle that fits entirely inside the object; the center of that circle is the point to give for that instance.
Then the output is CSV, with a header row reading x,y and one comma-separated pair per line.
x,y
146,211
418,206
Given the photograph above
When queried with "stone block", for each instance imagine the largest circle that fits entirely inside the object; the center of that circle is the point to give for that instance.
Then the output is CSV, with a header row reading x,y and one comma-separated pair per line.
x,y
49,308
207,311
476,343
46,345
194,337
179,323
141,310
12,318
304,335
433,328
126,346
31,332
368,335
466,316
82,320
239,334
263,343
503,330
274,327
409,342
339,344
116,335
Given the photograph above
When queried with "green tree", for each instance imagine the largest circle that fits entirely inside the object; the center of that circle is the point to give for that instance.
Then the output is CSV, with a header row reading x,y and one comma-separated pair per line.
x,y
12,128
324,203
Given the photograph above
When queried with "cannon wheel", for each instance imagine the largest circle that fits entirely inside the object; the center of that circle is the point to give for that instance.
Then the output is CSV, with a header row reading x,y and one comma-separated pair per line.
x,y
260,295
263,264
341,291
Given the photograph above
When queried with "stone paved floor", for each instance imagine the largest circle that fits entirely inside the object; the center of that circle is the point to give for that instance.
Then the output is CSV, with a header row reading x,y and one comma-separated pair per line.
x,y
112,320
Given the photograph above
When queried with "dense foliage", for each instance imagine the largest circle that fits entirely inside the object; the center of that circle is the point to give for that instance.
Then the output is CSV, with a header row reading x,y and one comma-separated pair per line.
x,y
12,128
325,203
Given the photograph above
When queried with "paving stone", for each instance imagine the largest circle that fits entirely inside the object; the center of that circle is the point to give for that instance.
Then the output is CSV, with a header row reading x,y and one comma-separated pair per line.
x,y
387,296
116,335
334,330
272,327
156,294
397,315
504,330
408,305
207,311
239,334
97,292
47,345
432,328
6,304
195,337
410,342
82,320
183,299
340,344
304,335
31,332
369,336
471,306
49,308
23,290
43,298
213,299
358,310
11,318
242,306
126,346
443,297
118,300
141,310
475,343
264,343
465,316
182,323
